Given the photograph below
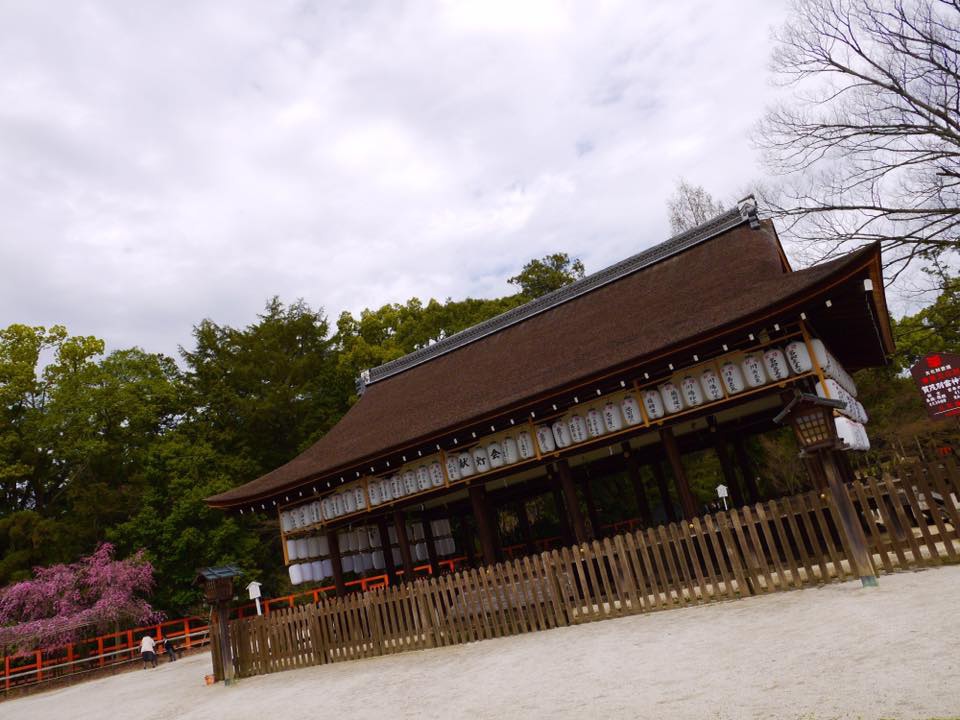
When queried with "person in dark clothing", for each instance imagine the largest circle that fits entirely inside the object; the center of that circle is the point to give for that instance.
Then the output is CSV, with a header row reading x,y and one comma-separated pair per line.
x,y
170,649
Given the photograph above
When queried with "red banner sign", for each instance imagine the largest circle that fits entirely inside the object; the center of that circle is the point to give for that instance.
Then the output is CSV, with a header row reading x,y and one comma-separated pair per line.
x,y
938,377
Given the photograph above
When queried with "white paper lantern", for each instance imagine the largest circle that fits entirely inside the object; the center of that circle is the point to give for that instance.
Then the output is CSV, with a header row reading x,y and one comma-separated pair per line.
x,y
316,570
363,539
346,563
595,424
495,453
545,439
631,410
510,452
313,546
378,561
285,523
326,568
712,385
409,482
423,478
292,550
306,569
775,364
338,505
692,393
360,497
732,377
753,371
653,402
416,531
296,574
672,399
349,501
481,461
798,357
325,510
386,489
578,429
525,445
373,537
303,548
612,419
373,490
465,462
453,468
323,546
561,434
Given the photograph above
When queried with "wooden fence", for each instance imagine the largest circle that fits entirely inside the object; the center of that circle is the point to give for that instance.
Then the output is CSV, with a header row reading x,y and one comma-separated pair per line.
x,y
778,545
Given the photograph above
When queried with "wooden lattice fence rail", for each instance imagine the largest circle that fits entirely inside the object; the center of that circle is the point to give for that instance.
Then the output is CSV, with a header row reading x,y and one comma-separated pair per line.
x,y
782,544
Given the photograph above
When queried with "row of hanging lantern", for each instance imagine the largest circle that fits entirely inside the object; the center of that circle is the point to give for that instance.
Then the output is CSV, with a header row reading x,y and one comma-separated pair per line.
x,y
361,550
726,376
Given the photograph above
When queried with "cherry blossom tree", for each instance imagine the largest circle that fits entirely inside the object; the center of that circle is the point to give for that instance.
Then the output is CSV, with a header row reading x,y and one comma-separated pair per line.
x,y
64,603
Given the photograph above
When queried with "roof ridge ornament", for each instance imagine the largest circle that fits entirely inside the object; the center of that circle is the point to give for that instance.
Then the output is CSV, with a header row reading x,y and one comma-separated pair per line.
x,y
363,379
748,211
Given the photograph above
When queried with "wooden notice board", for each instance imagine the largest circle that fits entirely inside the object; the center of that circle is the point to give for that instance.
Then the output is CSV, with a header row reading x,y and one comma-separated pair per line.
x,y
938,377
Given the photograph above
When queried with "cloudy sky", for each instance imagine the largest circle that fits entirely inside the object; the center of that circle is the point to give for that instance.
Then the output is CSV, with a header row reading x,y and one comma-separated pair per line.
x,y
168,161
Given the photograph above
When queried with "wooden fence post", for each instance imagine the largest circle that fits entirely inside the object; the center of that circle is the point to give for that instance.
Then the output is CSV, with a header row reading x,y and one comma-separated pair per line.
x,y
850,526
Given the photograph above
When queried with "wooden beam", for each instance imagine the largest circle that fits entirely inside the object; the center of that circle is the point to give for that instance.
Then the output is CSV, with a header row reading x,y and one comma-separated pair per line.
x,y
481,516
333,543
390,567
571,501
687,501
400,525
636,480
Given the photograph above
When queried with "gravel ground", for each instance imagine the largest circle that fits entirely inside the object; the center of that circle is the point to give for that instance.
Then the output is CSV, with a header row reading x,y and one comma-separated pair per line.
x,y
840,651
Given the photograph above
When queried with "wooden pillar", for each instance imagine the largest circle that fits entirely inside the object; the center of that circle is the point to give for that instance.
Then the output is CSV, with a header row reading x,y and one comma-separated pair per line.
x,y
636,480
571,502
481,515
661,479
726,467
389,567
596,531
431,547
524,523
566,535
400,526
687,501
746,469
333,542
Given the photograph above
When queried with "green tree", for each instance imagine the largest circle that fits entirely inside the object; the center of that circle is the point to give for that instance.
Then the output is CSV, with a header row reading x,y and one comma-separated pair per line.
x,y
549,273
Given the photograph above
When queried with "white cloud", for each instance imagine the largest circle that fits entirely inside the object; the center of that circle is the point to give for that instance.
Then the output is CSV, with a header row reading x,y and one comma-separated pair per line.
x,y
165,162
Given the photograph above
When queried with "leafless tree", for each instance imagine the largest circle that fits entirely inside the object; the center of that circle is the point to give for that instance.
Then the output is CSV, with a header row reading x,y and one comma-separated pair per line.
x,y
868,147
690,205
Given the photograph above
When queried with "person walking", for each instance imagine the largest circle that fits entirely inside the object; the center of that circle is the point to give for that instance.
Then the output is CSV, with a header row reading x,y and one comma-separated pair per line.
x,y
169,649
148,650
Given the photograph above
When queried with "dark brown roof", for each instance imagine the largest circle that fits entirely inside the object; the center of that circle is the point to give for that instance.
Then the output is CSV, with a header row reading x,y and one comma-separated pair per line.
x,y
732,277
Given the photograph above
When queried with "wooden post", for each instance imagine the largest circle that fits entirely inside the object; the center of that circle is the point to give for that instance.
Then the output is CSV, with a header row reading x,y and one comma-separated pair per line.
x,y
520,508
481,515
400,525
746,469
851,527
726,467
431,547
571,501
226,654
687,501
636,480
664,489
389,566
333,543
466,541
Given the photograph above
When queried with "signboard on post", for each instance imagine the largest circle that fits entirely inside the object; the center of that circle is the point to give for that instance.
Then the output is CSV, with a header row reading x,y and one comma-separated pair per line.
x,y
938,377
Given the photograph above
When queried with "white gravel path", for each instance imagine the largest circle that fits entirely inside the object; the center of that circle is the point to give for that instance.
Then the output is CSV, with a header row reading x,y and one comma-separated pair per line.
x,y
834,652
